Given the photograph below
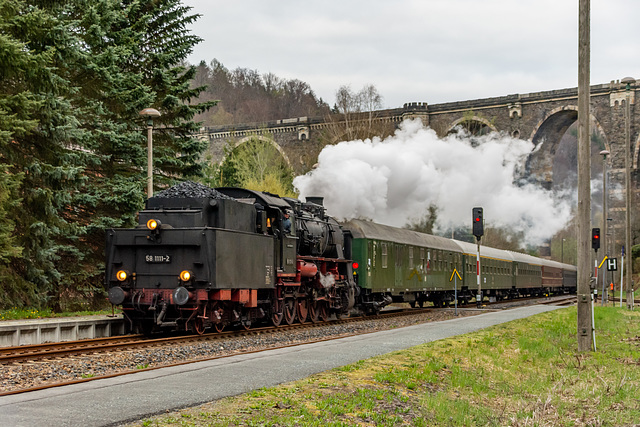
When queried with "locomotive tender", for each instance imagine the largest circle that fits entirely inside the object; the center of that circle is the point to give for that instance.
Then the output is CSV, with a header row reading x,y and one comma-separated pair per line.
x,y
202,258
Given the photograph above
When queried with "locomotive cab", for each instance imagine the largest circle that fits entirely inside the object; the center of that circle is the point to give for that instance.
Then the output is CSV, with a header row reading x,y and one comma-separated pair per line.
x,y
271,211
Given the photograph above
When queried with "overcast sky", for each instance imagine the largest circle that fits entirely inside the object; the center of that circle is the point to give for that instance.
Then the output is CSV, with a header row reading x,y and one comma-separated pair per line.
x,y
430,51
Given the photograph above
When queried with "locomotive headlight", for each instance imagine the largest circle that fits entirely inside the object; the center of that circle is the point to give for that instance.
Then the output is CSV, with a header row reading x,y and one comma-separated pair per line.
x,y
185,275
122,275
153,224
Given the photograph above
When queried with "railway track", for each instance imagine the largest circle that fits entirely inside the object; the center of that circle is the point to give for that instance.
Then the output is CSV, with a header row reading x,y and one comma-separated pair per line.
x,y
49,351
562,302
68,351
120,344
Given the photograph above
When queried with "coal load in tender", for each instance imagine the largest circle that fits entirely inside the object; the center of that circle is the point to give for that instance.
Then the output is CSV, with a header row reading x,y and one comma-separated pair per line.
x,y
191,190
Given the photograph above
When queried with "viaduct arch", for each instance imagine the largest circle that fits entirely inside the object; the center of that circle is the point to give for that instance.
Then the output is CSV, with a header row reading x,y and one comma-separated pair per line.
x,y
540,117
236,143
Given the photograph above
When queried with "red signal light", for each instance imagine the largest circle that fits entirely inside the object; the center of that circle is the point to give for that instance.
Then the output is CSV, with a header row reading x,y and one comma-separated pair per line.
x,y
595,239
355,265
478,223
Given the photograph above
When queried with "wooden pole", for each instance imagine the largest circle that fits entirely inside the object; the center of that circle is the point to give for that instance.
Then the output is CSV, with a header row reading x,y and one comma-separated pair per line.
x,y
585,341
627,179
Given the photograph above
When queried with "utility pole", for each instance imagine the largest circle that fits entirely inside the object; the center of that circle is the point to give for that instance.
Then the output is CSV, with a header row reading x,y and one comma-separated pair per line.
x,y
605,239
628,81
585,309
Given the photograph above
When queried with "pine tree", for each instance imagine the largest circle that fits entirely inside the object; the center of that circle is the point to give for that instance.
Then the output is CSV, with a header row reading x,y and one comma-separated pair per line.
x,y
136,49
82,72
33,149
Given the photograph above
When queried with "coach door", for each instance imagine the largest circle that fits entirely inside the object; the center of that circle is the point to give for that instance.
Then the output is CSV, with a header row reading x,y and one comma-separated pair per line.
x,y
399,270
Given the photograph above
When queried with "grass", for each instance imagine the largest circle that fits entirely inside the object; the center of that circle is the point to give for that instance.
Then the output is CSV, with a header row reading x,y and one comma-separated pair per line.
x,y
523,373
33,313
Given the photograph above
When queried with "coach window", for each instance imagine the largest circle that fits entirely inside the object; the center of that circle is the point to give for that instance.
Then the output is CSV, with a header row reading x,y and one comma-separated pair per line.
x,y
384,255
410,256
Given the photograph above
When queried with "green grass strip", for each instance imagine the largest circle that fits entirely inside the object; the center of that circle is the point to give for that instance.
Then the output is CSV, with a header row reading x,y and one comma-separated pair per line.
x,y
522,373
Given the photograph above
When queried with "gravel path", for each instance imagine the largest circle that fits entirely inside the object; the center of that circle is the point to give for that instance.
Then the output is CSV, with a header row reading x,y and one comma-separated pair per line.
x,y
30,374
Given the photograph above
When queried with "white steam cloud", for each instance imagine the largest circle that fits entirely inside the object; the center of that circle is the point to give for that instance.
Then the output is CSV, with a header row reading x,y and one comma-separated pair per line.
x,y
393,181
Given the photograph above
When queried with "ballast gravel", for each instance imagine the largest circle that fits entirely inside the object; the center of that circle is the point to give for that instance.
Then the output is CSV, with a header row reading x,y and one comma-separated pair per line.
x,y
26,375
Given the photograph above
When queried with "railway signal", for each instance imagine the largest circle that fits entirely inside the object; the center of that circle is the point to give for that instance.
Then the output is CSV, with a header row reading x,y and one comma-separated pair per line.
x,y
595,239
478,223
478,231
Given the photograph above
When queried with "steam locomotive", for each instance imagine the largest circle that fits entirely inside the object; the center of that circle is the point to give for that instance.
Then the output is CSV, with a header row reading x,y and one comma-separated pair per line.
x,y
205,258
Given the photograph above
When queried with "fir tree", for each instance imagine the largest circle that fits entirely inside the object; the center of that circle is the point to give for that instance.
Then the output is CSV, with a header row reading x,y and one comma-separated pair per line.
x,y
33,151
86,69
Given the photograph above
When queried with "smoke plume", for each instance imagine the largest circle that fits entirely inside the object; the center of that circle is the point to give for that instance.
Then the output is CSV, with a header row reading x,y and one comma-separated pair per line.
x,y
393,181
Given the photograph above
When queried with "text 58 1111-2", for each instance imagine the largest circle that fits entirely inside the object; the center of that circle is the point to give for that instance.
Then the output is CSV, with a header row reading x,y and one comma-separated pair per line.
x,y
157,258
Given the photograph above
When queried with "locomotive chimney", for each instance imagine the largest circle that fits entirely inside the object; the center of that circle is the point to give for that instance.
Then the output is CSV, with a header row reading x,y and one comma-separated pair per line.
x,y
316,200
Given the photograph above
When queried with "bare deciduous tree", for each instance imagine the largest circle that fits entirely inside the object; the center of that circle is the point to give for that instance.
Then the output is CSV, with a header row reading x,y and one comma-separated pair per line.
x,y
355,114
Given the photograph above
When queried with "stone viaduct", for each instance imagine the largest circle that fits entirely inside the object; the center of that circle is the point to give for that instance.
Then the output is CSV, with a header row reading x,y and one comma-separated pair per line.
x,y
540,117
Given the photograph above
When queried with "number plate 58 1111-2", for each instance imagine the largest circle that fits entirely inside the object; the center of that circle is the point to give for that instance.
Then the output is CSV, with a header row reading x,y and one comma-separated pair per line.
x,y
157,258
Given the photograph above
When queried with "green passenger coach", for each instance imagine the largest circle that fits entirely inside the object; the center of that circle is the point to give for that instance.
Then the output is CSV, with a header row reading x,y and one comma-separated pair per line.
x,y
401,265
398,265
496,267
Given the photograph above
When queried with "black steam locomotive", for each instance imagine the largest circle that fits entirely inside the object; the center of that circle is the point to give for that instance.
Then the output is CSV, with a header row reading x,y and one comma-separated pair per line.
x,y
202,258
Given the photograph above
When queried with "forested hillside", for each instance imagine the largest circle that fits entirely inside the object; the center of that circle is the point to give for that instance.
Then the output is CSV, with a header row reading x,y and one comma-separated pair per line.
x,y
246,96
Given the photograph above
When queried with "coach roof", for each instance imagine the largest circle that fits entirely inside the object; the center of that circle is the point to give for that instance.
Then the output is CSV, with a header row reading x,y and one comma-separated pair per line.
x,y
361,229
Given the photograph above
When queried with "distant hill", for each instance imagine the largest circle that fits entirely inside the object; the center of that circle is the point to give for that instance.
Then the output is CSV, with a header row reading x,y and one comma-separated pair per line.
x,y
246,96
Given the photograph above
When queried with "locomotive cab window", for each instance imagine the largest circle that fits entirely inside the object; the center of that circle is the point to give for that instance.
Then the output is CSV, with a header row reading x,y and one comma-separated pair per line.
x,y
288,224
